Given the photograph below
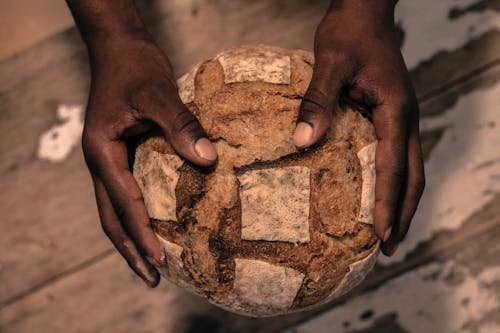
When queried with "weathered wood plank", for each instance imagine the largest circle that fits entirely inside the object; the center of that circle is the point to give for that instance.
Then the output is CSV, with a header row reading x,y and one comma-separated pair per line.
x,y
60,228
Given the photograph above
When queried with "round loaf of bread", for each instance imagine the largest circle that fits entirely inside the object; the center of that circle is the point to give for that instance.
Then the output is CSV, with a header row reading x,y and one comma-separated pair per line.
x,y
269,229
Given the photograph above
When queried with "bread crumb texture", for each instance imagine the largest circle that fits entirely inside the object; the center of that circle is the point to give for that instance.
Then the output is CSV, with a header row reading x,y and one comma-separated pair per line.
x,y
268,230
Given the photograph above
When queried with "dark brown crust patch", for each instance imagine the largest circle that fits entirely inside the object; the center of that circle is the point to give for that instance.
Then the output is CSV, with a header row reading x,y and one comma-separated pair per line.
x,y
188,191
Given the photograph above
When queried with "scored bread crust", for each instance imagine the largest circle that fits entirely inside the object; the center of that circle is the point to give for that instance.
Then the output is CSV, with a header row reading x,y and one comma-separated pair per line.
x,y
251,125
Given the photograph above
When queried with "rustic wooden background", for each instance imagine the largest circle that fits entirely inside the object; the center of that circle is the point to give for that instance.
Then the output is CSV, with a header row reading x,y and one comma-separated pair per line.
x,y
58,272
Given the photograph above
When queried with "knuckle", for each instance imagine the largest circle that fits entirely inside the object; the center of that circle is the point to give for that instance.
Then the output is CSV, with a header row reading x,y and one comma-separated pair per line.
x,y
137,198
124,209
396,116
119,207
384,213
314,102
326,54
401,103
184,122
396,171
120,211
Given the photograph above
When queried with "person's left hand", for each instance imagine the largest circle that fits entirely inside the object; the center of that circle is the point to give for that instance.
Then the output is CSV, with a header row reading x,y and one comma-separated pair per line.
x,y
357,56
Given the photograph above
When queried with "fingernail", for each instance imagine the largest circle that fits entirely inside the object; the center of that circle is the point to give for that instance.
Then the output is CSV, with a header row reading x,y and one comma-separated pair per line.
x,y
153,261
393,250
387,234
204,149
303,135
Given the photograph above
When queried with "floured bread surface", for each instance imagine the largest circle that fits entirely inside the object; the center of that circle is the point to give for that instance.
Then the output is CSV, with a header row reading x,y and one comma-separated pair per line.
x,y
275,204
262,64
367,160
157,176
263,287
269,229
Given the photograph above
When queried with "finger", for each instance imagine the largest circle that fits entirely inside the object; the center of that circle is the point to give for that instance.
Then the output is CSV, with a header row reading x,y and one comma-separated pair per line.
x,y
320,100
186,134
115,232
412,193
391,128
112,168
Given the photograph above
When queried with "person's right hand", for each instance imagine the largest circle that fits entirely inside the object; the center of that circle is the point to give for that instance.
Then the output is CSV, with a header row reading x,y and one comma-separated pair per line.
x,y
133,90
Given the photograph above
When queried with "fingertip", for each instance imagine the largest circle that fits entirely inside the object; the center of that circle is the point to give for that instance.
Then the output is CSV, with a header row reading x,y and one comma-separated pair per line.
x,y
144,269
387,234
153,281
303,135
382,225
157,262
149,274
389,249
205,150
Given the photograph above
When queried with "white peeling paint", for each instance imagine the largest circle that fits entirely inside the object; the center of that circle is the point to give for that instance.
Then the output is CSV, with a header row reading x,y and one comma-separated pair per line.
x,y
422,300
56,143
463,170
428,28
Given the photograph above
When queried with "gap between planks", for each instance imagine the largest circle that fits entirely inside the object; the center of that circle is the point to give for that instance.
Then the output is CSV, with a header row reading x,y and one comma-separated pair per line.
x,y
57,277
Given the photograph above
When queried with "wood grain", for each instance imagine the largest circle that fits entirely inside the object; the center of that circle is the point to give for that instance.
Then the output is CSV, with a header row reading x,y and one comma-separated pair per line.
x,y
50,227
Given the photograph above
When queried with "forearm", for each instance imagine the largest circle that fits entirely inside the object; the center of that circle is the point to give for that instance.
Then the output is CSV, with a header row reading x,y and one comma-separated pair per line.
x,y
102,20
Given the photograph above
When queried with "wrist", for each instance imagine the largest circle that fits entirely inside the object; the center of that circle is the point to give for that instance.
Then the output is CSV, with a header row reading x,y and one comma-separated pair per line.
x,y
112,43
120,51
382,10
105,24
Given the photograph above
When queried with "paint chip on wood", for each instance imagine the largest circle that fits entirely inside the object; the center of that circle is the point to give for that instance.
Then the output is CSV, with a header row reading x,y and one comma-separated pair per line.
x,y
275,204
421,303
57,143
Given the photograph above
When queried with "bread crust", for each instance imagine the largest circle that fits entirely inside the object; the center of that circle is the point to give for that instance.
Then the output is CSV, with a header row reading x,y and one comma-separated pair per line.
x,y
250,118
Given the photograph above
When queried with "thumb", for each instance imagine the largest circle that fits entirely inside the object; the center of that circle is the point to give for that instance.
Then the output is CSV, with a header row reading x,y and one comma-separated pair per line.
x,y
185,134
318,104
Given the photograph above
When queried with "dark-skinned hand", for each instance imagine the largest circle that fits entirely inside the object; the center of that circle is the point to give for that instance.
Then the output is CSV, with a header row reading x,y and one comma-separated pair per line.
x,y
357,58
133,90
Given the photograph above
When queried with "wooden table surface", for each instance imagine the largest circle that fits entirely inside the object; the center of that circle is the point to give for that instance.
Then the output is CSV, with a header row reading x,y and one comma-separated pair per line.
x,y
59,273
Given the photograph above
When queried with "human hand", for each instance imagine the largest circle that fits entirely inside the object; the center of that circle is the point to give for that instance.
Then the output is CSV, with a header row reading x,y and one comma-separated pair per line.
x,y
133,90
357,57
